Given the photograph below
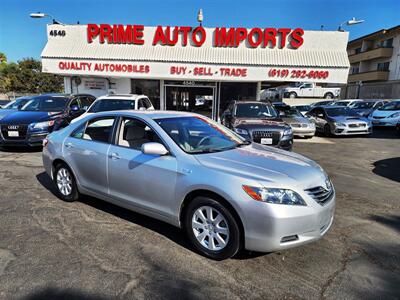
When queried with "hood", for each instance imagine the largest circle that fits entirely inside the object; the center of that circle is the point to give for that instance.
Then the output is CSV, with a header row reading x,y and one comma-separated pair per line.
x,y
346,119
260,123
384,113
267,165
28,117
296,120
5,112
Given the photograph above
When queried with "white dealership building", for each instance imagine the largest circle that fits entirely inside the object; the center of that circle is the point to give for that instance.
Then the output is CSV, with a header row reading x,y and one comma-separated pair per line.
x,y
191,68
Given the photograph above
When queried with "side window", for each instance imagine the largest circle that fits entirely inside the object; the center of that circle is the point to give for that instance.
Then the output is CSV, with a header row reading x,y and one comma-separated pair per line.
x,y
99,130
147,103
134,133
78,133
86,102
141,104
311,113
379,104
307,85
74,103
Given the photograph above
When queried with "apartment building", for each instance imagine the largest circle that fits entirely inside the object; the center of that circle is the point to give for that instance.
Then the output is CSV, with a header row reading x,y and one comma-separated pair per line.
x,y
374,66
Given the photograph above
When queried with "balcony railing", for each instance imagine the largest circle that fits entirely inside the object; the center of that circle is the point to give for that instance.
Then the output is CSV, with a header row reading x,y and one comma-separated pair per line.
x,y
371,54
369,76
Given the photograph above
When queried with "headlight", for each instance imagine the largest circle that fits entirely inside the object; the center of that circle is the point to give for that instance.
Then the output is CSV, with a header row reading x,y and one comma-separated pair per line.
x,y
340,124
395,115
241,131
42,125
311,125
288,131
274,196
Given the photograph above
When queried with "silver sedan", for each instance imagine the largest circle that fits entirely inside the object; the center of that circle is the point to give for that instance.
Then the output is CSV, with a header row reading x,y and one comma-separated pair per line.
x,y
194,173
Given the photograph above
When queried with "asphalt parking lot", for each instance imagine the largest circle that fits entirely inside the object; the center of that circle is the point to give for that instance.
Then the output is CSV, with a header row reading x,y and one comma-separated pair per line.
x,y
50,249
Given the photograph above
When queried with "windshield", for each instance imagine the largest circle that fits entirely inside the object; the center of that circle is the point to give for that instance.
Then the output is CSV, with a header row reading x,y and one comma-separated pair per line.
x,y
17,102
46,104
200,135
395,105
341,111
111,104
255,110
290,113
364,104
342,103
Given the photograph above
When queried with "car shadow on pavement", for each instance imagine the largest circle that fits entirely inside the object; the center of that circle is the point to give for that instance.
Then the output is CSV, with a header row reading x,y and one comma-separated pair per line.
x,y
61,294
388,168
169,231
20,149
391,221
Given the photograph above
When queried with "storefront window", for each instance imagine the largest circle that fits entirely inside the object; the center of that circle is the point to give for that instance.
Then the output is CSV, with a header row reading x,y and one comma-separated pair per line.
x,y
150,88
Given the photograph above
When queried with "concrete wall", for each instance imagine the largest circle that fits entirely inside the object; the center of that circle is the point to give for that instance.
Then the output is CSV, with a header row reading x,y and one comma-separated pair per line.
x,y
373,90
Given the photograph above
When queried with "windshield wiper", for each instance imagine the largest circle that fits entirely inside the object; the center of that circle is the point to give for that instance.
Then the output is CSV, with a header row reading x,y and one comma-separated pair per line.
x,y
245,143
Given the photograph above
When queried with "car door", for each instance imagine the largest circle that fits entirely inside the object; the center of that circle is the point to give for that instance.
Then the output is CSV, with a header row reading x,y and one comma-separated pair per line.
x,y
142,180
320,118
86,151
307,90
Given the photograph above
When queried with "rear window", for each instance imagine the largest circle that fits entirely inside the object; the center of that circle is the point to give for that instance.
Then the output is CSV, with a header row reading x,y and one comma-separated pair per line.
x,y
112,104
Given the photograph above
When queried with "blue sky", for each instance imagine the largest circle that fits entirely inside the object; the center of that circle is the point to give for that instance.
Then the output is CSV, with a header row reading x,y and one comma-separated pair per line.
x,y
21,36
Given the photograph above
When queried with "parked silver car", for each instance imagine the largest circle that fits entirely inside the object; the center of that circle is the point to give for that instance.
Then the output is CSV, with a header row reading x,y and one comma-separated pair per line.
x,y
194,173
339,120
301,125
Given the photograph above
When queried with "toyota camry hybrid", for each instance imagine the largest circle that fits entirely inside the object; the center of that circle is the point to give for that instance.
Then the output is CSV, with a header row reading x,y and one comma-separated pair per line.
x,y
185,169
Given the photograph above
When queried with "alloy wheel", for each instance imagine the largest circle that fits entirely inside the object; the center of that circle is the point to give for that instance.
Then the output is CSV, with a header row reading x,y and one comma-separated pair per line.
x,y
210,228
64,181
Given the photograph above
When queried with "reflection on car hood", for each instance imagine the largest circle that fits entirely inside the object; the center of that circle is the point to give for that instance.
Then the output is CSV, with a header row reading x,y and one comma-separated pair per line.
x,y
296,120
27,117
384,113
347,119
5,112
259,123
267,165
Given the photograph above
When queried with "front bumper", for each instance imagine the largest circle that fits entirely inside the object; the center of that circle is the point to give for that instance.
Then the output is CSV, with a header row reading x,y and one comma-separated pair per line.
x,y
285,142
33,139
274,227
303,131
389,122
352,131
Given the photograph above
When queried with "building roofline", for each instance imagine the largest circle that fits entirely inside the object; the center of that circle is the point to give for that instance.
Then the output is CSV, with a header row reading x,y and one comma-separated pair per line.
x,y
376,33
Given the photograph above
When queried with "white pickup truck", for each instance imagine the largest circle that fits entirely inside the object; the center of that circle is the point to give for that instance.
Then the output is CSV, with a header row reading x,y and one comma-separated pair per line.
x,y
310,90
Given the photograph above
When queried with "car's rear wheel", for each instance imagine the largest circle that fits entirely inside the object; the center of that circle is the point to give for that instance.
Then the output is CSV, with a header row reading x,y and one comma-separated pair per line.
x,y
65,183
212,228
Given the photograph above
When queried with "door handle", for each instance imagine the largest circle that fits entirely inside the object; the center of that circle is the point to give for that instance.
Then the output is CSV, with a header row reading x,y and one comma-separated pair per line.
x,y
115,156
69,145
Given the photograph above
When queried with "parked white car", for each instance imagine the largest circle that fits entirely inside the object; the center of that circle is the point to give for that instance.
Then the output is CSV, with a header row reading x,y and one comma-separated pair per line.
x,y
311,90
387,115
118,102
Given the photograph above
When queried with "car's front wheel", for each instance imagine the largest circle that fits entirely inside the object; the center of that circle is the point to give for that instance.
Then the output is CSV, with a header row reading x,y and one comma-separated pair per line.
x,y
65,183
212,228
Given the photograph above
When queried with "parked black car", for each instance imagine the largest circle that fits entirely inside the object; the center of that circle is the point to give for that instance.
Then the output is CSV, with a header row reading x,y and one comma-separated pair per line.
x,y
42,114
258,122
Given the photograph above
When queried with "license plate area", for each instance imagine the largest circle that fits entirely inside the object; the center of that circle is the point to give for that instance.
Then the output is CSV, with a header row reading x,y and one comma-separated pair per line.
x,y
266,141
13,133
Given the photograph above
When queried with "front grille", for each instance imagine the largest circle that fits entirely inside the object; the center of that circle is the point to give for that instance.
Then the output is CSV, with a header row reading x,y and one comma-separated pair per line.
x,y
320,194
259,134
302,125
22,130
357,125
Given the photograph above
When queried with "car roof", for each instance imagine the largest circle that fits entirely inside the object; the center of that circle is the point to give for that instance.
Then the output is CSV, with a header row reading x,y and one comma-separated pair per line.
x,y
121,96
151,114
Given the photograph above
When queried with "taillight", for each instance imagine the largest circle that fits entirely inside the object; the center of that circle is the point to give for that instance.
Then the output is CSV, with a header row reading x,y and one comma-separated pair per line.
x,y
45,142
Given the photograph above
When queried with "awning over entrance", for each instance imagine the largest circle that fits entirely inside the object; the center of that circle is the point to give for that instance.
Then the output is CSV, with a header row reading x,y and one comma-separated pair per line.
x,y
245,55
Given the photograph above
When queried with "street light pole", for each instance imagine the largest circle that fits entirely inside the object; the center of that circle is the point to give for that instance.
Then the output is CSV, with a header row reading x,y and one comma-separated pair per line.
x,y
350,23
40,15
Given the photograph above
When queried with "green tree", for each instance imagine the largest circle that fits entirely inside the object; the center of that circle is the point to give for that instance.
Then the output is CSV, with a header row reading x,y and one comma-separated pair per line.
x,y
27,77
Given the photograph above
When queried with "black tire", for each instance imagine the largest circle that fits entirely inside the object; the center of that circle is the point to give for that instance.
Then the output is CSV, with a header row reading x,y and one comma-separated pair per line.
x,y
74,194
327,130
328,96
233,244
292,95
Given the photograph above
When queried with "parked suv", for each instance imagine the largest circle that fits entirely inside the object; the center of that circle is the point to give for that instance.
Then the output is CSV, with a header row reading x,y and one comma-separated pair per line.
x,y
258,122
42,114
118,102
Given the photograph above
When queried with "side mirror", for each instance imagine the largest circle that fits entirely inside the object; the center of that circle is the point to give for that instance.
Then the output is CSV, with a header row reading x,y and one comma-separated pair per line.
x,y
154,149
